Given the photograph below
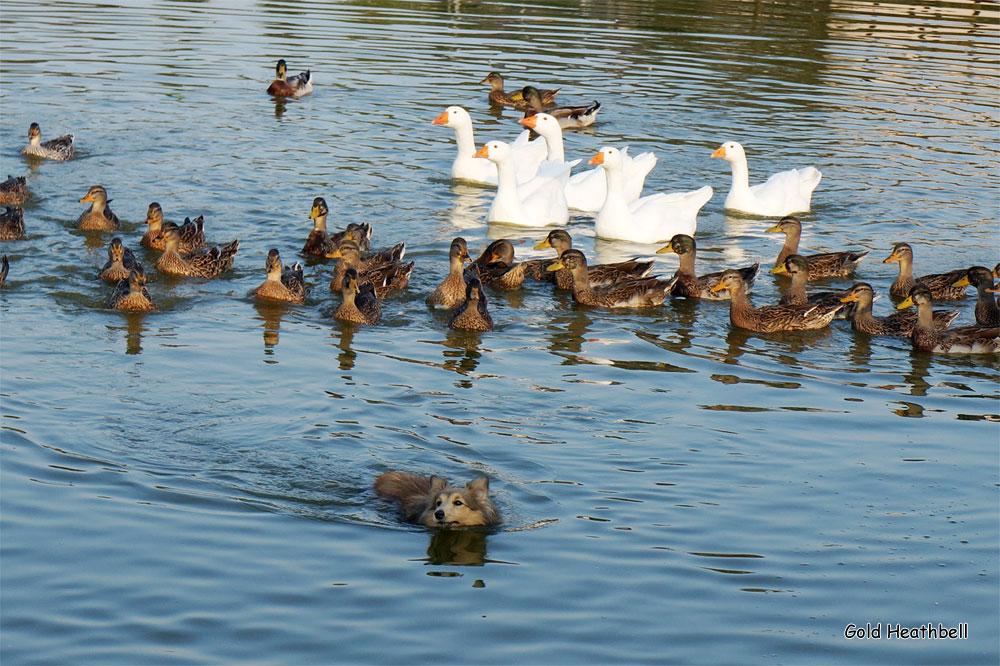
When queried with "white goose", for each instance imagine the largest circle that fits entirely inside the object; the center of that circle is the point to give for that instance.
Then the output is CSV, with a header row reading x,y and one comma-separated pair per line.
x,y
649,219
539,202
527,154
784,193
586,191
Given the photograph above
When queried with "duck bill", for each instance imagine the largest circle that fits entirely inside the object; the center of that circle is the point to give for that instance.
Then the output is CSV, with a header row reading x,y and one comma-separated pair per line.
x,y
466,257
555,266
86,198
963,282
905,304
335,254
850,298
528,122
773,230
482,152
719,287
666,249
891,258
993,290
544,244
597,159
441,120
779,270
719,152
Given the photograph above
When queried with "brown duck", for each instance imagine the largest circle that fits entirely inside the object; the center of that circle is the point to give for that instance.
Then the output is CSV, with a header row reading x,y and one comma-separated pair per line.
x,y
130,293
498,97
473,314
204,264
385,270
691,286
626,293
496,267
282,283
600,275
120,262
451,292
568,116
11,224
980,277
941,285
964,340
99,217
829,264
772,318
14,190
192,231
360,305
797,268
289,86
898,324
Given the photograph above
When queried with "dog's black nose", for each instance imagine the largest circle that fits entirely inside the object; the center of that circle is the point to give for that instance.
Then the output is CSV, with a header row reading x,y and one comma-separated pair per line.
x,y
439,514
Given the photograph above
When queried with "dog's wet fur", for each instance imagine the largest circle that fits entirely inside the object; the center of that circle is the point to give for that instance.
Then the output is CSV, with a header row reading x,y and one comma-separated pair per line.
x,y
432,501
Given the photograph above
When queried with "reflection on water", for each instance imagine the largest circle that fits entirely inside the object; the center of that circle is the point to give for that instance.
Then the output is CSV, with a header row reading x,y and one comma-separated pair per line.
x,y
460,548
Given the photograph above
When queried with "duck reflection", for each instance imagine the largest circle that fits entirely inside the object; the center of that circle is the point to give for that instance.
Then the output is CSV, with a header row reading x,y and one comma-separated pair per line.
x,y
270,313
461,352
279,107
347,354
470,206
569,329
134,328
459,548
916,378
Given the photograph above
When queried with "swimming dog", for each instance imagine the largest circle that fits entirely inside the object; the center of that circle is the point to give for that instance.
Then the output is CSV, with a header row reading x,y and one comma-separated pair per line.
x,y
433,502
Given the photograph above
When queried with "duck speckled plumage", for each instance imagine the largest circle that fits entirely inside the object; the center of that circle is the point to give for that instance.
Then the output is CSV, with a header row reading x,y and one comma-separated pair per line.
x,y
568,116
980,277
60,148
283,283
797,268
361,305
898,324
384,270
772,318
829,264
130,293
120,262
192,231
692,286
14,190
626,293
99,217
962,340
600,275
473,314
498,97
941,285
289,86
452,290
496,267
11,224
204,264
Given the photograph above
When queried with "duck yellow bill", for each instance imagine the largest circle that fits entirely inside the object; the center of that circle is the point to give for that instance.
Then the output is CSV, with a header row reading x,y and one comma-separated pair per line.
x,y
779,269
964,282
441,120
85,198
544,244
719,287
993,290
528,122
719,152
891,258
905,304
335,254
666,249
773,230
597,159
482,152
556,266
850,298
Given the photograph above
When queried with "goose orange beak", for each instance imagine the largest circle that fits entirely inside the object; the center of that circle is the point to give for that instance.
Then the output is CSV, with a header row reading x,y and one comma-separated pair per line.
x,y
719,152
441,120
482,152
905,304
597,159
528,122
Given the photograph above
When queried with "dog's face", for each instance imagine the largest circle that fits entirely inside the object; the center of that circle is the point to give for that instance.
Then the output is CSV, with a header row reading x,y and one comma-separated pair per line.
x,y
452,506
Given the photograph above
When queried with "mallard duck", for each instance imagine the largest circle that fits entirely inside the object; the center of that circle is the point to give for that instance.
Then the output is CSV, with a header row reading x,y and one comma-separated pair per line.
x,y
965,339
568,116
772,318
99,217
498,97
361,305
54,149
4,268
650,219
600,275
626,293
192,231
130,293
691,286
537,203
829,264
587,190
385,270
980,277
14,190
898,324
319,243
797,268
496,267
941,285
120,262
11,224
282,283
473,314
528,153
204,264
784,193
452,290
292,86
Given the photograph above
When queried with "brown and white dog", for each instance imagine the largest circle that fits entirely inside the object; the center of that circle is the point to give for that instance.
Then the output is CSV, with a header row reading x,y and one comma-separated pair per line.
x,y
431,501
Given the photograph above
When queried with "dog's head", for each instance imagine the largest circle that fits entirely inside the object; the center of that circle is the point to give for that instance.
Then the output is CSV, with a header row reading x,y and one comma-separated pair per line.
x,y
452,506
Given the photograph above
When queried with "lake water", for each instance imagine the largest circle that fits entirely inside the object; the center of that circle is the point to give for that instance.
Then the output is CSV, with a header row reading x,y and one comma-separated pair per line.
x,y
193,485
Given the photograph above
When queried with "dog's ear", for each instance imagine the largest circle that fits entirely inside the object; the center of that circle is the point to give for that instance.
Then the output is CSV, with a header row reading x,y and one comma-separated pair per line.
x,y
437,484
479,487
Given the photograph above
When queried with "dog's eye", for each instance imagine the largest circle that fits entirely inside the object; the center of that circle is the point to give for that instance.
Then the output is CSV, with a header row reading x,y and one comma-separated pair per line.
x,y
458,502
438,503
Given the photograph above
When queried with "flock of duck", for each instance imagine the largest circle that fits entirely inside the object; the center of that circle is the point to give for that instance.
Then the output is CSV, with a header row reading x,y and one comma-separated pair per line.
x,y
535,188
